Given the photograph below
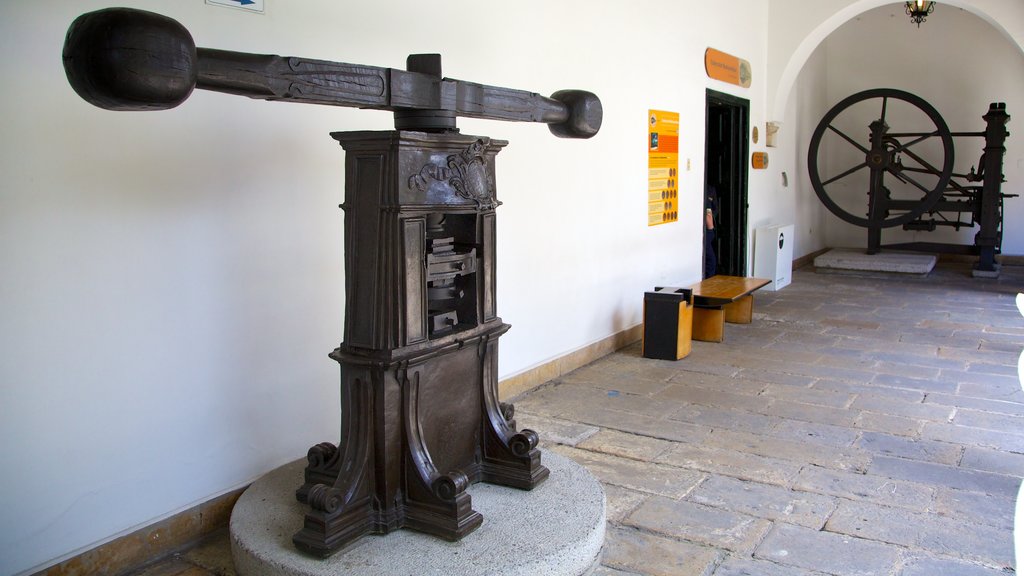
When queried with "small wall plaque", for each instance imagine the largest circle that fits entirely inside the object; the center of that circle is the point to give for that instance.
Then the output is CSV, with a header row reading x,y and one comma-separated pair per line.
x,y
727,68
247,5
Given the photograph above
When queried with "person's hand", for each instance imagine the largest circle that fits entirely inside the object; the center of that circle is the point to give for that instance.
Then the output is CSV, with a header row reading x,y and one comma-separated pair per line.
x,y
709,220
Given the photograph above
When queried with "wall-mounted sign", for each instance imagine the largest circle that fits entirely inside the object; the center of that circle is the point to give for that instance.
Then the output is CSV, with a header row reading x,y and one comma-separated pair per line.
x,y
727,68
662,167
759,160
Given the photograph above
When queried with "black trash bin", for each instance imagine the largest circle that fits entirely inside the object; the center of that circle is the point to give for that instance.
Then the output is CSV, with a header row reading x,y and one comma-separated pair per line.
x,y
668,322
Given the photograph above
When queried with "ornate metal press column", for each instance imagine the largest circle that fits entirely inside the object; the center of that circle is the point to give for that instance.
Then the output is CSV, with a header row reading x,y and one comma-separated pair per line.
x,y
421,418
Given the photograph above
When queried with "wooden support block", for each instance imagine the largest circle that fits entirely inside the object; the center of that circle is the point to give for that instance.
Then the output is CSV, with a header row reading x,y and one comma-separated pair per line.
x,y
741,311
708,324
684,342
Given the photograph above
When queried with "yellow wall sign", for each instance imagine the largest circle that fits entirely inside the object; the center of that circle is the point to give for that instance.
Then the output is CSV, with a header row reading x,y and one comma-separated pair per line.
x,y
759,160
727,68
662,167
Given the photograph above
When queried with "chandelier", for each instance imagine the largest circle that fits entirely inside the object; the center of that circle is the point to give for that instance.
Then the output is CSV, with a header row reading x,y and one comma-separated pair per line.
x,y
918,10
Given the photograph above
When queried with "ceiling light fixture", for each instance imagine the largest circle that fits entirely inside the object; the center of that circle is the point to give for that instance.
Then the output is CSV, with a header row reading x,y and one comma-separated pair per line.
x,y
918,10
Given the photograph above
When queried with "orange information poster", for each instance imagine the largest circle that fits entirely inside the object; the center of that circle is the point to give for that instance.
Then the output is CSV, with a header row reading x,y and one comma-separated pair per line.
x,y
727,68
662,167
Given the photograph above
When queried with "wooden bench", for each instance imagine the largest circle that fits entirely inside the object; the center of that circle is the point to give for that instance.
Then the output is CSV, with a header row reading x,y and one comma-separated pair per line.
x,y
722,299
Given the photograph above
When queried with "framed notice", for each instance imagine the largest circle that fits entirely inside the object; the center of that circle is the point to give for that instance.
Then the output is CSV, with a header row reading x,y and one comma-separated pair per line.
x,y
662,167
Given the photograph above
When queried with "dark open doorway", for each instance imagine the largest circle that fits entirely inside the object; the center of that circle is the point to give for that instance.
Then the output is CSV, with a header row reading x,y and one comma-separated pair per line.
x,y
725,168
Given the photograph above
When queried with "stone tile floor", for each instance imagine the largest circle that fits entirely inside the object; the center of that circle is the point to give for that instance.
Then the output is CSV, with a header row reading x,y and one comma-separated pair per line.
x,y
860,425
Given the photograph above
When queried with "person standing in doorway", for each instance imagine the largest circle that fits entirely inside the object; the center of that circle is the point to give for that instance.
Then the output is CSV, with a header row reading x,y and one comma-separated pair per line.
x,y
710,215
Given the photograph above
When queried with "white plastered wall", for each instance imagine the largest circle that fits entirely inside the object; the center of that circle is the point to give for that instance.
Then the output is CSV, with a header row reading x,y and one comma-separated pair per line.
x,y
173,280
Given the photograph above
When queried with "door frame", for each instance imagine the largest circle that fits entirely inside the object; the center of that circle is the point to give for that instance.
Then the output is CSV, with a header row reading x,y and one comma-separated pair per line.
x,y
735,221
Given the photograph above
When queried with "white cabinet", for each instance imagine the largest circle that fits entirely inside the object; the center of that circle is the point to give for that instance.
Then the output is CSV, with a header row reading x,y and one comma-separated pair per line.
x,y
773,255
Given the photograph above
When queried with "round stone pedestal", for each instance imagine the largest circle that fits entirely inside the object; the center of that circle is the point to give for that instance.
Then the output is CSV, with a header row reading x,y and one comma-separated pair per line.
x,y
555,529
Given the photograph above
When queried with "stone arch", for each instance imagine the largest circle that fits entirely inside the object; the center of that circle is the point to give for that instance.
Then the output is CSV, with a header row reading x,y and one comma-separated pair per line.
x,y
822,31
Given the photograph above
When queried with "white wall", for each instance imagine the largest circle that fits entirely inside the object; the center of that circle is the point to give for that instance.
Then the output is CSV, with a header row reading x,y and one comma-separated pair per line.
x,y
806,104
173,280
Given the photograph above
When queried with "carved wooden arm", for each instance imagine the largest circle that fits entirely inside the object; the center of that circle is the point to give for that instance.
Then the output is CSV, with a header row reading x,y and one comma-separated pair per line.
x,y
126,59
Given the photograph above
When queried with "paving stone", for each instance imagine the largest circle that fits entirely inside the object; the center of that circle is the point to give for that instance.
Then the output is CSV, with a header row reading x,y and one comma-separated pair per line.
x,y
876,335
733,384
818,371
942,475
741,566
629,383
913,383
1007,391
917,410
626,445
793,450
879,523
811,413
980,381
635,404
865,487
638,424
716,418
927,450
975,507
741,465
935,566
813,432
922,530
631,550
809,396
772,377
954,341
997,369
620,502
871,348
698,523
844,359
641,476
707,397
930,360
908,370
565,400
556,430
970,541
764,501
973,436
896,425
861,389
989,460
1009,347
826,552
606,571
986,404
1007,357
652,369
989,420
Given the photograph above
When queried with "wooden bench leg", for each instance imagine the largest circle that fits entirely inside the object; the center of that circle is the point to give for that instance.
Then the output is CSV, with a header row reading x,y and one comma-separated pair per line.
x,y
708,324
741,311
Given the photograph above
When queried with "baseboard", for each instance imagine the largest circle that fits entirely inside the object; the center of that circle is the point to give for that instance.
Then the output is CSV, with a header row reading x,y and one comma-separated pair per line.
x,y
153,542
529,379
156,541
808,259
